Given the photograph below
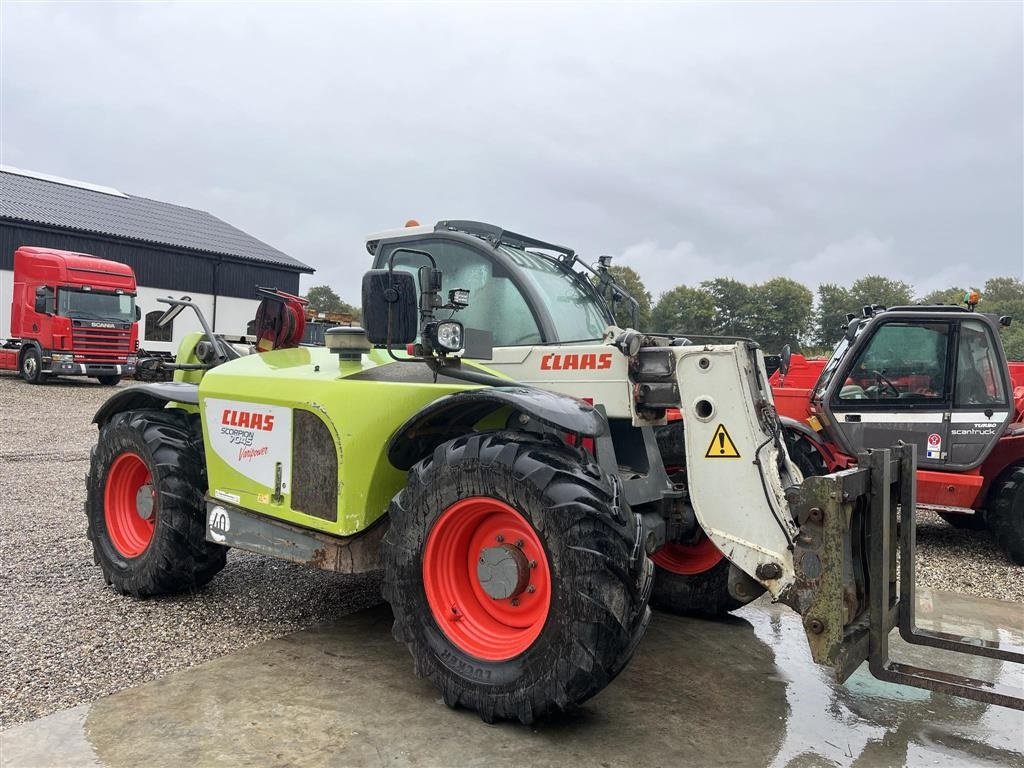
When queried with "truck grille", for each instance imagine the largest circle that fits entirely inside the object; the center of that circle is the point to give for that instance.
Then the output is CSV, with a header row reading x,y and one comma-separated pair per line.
x,y
94,344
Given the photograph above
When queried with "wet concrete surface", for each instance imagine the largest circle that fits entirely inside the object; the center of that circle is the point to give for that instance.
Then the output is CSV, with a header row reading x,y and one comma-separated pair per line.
x,y
742,692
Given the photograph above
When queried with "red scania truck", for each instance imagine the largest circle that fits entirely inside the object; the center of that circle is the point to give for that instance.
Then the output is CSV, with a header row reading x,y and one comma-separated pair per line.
x,y
72,314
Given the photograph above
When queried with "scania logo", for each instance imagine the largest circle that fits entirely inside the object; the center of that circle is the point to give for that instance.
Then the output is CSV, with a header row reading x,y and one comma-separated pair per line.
x,y
102,325
585,362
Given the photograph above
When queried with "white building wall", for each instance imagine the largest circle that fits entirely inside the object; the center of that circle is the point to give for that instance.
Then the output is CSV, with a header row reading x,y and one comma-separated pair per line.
x,y
233,314
6,297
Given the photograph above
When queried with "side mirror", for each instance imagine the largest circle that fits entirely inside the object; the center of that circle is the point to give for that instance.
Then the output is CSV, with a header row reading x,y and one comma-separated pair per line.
x,y
138,313
1005,321
785,358
390,314
43,296
851,330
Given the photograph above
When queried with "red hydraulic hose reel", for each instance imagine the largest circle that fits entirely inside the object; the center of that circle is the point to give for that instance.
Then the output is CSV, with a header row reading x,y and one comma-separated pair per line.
x,y
280,320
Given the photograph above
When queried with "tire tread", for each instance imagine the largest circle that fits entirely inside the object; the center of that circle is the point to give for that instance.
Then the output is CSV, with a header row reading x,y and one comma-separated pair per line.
x,y
179,558
603,622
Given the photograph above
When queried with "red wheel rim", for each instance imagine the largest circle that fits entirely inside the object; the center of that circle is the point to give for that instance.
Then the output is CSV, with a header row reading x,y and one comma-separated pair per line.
x,y
484,627
128,480
688,559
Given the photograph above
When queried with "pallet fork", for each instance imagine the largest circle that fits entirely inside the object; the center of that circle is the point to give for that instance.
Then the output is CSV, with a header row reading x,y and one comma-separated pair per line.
x,y
854,562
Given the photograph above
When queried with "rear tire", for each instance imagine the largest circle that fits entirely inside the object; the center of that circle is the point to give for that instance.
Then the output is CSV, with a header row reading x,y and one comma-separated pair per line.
x,y
1005,514
587,612
32,366
144,505
108,381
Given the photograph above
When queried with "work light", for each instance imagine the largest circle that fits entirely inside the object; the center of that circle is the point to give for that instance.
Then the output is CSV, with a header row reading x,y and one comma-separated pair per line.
x,y
459,297
448,335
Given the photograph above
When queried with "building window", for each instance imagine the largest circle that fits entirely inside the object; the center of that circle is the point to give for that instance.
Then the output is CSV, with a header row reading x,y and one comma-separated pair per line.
x,y
153,331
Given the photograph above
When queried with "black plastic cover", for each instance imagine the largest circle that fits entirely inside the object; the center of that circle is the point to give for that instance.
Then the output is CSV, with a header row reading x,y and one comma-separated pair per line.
x,y
390,297
147,396
454,415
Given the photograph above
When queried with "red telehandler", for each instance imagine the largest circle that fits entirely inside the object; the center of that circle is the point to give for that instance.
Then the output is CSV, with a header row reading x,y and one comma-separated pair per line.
x,y
936,376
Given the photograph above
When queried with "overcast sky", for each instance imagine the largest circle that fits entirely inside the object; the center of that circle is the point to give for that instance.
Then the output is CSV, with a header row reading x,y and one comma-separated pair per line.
x,y
690,141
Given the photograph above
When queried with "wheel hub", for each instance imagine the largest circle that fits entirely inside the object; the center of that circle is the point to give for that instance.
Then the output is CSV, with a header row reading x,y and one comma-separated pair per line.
x,y
503,571
144,502
486,578
129,505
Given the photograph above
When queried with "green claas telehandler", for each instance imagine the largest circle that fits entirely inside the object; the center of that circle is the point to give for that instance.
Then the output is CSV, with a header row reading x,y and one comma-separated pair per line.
x,y
499,443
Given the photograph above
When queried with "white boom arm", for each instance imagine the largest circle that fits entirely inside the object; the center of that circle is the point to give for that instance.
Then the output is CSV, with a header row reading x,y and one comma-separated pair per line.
x,y
733,459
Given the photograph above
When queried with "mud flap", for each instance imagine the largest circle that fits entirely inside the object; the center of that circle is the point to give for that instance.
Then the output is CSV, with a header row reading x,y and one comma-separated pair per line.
x,y
856,527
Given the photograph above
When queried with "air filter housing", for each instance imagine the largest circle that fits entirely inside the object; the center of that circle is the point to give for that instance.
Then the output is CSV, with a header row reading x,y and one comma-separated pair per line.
x,y
348,342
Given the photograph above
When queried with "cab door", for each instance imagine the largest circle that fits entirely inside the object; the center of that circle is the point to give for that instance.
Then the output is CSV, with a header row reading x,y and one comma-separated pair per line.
x,y
898,386
981,393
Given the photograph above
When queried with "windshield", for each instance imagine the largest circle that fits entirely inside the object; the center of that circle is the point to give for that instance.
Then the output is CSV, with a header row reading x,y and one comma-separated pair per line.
x,y
93,305
830,368
572,301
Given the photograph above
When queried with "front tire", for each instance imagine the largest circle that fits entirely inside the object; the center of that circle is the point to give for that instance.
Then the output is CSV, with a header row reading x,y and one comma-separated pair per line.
x,y
690,579
32,366
1005,514
480,522
144,505
108,381
693,580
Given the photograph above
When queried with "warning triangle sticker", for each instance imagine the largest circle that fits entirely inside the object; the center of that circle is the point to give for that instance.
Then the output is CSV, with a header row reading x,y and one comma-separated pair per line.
x,y
722,446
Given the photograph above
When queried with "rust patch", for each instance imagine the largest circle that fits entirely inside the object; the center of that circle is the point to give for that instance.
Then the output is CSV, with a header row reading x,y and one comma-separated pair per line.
x,y
321,559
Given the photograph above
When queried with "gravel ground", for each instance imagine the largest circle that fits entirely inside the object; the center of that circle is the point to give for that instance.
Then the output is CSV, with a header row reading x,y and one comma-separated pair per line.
x,y
68,639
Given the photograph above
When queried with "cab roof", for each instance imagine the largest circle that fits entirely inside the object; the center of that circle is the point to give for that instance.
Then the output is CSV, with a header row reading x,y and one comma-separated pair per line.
x,y
491,233
77,261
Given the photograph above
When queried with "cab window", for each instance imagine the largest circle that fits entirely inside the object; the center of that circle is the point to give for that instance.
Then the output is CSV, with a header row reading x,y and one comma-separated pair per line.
x,y
495,303
903,362
574,308
978,378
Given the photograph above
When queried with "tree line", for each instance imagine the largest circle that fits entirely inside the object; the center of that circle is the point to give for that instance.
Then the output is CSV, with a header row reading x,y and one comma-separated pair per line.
x,y
783,311
323,298
778,311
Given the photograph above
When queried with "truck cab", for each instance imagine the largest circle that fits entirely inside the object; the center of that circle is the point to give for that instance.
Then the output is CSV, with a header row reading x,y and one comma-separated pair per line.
x,y
933,376
72,314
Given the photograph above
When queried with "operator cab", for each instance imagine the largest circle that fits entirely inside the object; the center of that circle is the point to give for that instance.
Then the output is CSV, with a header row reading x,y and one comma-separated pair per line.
x,y
522,291
935,376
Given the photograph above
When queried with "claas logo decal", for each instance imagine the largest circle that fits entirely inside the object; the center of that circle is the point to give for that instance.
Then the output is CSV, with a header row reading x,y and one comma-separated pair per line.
x,y
585,362
248,420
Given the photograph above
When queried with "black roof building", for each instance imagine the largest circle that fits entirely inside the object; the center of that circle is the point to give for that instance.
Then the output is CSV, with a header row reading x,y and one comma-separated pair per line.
x,y
168,246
